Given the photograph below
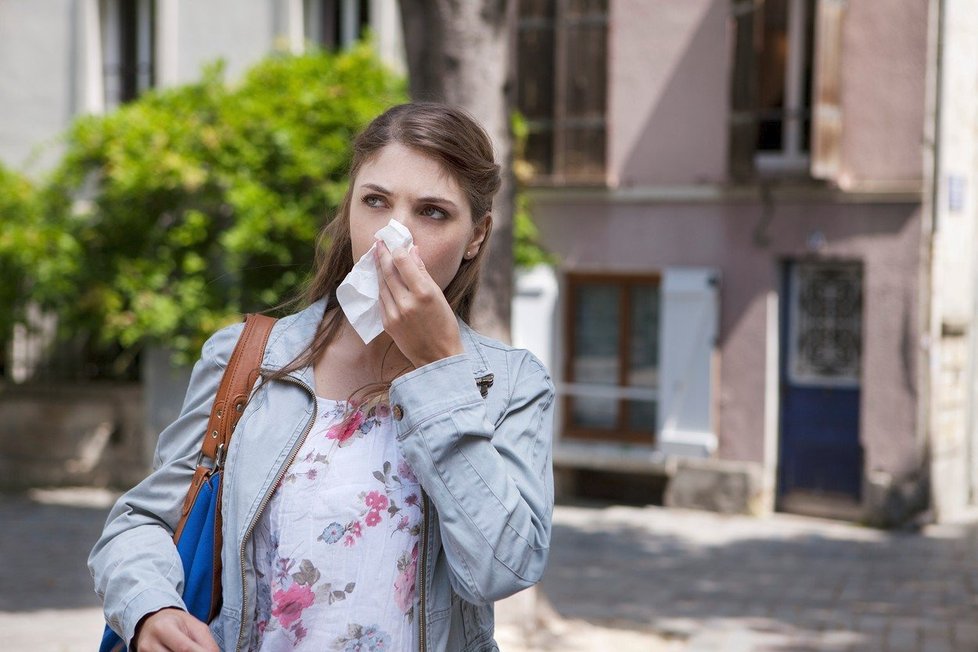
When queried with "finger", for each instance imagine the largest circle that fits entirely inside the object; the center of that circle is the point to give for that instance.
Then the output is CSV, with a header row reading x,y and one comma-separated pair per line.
x,y
177,639
415,276
388,305
201,634
388,272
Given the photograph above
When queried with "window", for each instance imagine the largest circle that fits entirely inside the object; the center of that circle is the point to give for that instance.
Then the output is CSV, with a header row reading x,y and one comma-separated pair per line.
x,y
128,49
613,362
562,61
772,86
335,24
825,324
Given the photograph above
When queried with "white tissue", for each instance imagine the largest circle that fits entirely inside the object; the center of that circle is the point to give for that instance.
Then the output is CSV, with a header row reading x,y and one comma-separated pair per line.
x,y
359,292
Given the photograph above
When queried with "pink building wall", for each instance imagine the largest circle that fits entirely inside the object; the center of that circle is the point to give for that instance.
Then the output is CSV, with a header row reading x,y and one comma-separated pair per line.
x,y
649,237
667,93
669,203
884,67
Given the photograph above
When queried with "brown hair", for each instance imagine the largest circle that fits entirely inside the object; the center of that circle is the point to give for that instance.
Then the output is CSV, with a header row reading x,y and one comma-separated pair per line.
x,y
448,135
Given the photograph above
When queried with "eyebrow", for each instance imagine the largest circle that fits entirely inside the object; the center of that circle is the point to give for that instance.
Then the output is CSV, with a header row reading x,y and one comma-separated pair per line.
x,y
427,198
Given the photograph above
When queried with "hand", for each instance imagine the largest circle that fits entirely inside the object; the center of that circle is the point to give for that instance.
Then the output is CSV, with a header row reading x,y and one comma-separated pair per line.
x,y
173,630
413,308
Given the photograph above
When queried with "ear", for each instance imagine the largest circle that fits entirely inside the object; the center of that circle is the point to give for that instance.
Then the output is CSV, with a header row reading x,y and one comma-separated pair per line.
x,y
479,235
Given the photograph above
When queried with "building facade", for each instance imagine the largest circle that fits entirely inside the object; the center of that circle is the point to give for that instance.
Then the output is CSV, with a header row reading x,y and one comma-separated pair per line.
x,y
63,58
763,211
764,218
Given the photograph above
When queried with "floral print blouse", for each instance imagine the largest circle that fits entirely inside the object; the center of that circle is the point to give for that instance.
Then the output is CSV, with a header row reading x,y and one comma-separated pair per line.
x,y
336,549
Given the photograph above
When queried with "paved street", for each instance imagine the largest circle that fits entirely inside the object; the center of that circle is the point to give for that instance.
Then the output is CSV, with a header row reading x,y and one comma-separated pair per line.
x,y
622,579
784,583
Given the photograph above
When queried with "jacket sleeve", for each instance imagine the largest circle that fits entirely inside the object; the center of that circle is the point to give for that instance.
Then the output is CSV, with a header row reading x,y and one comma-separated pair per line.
x,y
491,483
135,564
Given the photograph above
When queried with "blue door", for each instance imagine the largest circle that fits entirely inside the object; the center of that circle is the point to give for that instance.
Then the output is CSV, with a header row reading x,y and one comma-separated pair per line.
x,y
820,453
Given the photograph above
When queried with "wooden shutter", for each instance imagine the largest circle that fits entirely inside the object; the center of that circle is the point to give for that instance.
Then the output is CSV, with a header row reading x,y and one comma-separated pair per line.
x,y
826,104
689,315
581,92
743,90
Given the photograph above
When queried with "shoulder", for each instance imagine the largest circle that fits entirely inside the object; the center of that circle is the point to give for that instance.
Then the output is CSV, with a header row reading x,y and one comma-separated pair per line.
x,y
219,346
519,363
289,335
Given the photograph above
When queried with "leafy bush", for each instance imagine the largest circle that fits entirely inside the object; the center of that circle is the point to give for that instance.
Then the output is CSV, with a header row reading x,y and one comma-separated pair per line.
x,y
33,252
194,204
527,250
17,213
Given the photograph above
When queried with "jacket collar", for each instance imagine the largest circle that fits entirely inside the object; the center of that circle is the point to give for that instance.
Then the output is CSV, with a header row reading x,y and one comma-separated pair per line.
x,y
292,334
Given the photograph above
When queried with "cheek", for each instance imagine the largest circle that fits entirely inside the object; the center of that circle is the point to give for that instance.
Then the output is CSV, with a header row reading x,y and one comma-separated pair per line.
x,y
442,263
361,239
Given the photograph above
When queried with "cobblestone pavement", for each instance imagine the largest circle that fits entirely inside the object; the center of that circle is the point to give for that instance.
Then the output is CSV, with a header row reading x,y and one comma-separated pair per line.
x,y
622,579
784,583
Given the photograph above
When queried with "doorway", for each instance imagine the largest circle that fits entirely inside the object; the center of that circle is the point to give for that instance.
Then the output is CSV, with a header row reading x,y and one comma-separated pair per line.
x,y
821,459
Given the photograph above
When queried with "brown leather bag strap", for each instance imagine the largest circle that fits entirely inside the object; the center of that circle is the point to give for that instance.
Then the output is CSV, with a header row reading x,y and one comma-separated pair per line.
x,y
239,377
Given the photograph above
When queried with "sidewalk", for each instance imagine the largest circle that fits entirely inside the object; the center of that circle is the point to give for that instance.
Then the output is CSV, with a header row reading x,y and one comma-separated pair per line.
x,y
785,583
621,579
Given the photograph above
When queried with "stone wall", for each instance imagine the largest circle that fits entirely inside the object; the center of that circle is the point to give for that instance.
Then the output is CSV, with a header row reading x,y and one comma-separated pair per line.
x,y
72,434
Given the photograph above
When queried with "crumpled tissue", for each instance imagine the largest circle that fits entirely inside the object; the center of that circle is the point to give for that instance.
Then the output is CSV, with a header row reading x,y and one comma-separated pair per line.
x,y
359,292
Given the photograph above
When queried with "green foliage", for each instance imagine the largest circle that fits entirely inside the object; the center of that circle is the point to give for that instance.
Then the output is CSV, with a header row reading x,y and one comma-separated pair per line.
x,y
527,251
192,205
18,244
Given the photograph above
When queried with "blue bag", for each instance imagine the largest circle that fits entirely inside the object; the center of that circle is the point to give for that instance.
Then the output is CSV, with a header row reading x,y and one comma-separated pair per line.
x,y
197,550
198,534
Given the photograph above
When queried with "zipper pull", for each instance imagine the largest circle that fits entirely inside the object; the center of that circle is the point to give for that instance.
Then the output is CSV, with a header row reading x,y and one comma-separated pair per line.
x,y
484,383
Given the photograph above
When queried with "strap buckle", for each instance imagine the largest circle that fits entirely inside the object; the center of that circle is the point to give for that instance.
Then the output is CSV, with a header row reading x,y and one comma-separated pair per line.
x,y
215,464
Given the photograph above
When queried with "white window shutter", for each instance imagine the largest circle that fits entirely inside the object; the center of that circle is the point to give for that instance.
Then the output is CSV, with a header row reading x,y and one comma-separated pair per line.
x,y
689,315
533,313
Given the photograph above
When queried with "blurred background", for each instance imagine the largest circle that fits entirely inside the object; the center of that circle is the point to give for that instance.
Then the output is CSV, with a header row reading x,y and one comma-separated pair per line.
x,y
740,233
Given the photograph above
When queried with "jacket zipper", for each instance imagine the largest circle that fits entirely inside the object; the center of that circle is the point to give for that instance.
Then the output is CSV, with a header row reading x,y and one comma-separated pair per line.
x,y
264,502
422,638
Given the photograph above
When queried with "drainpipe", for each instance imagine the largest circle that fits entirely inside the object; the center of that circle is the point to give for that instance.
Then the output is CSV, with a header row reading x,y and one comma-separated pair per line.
x,y
928,316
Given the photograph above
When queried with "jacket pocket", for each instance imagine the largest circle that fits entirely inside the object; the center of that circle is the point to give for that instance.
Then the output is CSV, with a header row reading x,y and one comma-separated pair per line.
x,y
230,626
477,624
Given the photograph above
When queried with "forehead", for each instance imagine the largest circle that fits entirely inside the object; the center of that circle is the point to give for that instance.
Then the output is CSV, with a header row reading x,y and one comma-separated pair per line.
x,y
404,170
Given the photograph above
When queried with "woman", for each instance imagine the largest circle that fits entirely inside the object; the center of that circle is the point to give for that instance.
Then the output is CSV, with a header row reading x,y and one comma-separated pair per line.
x,y
379,495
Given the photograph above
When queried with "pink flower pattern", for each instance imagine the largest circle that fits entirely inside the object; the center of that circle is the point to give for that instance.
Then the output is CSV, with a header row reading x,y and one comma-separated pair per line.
x,y
287,606
292,592
346,429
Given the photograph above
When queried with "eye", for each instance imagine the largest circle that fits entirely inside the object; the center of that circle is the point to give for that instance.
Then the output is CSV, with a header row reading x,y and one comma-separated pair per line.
x,y
434,212
374,201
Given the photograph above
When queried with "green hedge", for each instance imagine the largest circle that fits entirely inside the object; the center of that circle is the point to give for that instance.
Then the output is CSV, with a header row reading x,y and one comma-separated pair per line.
x,y
169,217
194,204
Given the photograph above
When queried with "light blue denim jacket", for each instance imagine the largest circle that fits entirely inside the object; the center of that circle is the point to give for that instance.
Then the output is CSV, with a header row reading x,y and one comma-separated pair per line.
x,y
484,463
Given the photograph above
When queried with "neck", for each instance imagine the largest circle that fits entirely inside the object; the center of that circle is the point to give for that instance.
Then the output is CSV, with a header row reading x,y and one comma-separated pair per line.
x,y
380,356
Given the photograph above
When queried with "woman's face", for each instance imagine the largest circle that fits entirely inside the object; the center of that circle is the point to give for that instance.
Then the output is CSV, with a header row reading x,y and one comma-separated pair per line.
x,y
402,183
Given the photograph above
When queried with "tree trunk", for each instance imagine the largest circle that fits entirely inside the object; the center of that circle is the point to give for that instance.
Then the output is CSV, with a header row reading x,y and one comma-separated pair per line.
x,y
458,52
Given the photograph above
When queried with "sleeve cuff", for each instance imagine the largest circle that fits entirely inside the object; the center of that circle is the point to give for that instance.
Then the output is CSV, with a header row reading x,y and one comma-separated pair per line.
x,y
433,389
146,602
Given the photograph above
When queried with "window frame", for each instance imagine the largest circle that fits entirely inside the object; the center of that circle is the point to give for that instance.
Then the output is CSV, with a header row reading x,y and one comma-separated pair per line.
x,y
792,158
352,17
807,37
131,78
623,392
558,122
